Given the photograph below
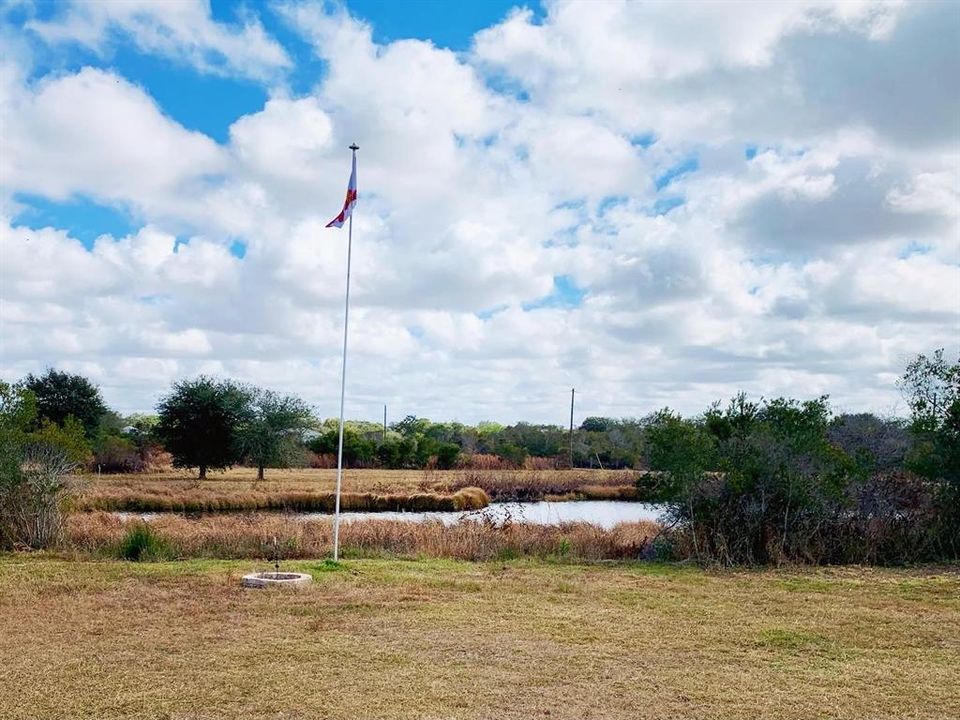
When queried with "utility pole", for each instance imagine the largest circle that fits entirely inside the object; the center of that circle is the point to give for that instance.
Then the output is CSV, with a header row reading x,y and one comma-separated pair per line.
x,y
573,392
384,422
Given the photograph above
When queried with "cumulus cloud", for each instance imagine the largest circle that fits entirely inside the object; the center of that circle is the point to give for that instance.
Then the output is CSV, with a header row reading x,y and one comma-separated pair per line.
x,y
95,133
655,207
182,31
850,204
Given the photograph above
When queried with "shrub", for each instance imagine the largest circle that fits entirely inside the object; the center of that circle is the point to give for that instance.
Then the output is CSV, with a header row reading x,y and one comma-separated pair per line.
x,y
446,455
768,482
141,543
478,461
31,503
35,475
544,463
118,455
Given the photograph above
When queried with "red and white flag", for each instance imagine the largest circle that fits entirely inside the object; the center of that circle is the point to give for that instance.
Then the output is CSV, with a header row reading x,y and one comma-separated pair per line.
x,y
351,200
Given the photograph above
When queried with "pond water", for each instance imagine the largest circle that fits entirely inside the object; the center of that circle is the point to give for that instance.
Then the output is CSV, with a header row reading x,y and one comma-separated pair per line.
x,y
605,513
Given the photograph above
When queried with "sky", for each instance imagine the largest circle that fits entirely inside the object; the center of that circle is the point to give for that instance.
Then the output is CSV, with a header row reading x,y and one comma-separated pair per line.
x,y
660,204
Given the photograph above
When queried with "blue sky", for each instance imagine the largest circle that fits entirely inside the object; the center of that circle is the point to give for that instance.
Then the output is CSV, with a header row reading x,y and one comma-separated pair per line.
x,y
210,104
656,208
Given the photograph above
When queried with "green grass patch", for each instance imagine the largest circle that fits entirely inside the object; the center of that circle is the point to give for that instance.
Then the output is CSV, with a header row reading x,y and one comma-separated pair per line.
x,y
806,585
790,639
141,543
326,566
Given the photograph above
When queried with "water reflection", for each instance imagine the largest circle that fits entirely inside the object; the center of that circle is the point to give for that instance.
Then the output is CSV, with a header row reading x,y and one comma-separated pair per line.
x,y
604,513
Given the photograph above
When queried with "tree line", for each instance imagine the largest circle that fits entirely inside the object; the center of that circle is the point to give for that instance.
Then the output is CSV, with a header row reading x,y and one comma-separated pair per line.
x,y
213,423
747,481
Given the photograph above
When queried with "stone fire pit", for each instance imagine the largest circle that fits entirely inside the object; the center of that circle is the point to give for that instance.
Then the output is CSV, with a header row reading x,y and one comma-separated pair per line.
x,y
276,579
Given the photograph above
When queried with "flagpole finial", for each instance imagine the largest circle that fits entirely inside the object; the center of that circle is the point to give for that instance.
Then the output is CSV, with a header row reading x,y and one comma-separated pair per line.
x,y
354,147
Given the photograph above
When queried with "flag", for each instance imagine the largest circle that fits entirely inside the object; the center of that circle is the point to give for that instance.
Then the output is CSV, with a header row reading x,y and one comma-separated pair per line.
x,y
351,200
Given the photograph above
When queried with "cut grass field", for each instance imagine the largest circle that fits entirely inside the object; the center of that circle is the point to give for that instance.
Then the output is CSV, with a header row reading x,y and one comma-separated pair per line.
x,y
445,639
311,490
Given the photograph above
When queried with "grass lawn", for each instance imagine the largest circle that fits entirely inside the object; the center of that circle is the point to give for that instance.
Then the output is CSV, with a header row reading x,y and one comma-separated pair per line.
x,y
444,639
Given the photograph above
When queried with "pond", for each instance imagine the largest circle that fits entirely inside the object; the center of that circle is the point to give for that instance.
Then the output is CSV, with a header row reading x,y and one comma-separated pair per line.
x,y
604,513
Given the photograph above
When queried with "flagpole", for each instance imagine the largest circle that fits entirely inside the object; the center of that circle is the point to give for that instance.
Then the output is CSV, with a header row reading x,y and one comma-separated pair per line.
x,y
343,383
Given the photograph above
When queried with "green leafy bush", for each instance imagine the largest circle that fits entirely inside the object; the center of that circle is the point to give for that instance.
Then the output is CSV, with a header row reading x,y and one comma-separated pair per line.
x,y
764,482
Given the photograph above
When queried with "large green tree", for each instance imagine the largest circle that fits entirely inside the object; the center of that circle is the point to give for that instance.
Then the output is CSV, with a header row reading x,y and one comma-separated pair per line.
x,y
931,386
274,429
201,421
60,395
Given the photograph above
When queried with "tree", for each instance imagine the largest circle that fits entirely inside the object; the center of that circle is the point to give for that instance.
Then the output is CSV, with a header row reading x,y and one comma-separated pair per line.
x,y
200,422
679,452
68,437
359,447
611,442
411,426
272,433
876,444
596,424
932,389
60,395
397,451
447,454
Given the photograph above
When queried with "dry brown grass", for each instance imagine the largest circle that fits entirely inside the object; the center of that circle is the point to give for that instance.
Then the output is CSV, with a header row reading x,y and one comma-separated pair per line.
x,y
237,489
251,536
211,499
497,641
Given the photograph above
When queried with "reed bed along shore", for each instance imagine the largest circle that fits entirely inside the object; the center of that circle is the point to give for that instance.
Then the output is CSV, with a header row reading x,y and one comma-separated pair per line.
x,y
312,489
252,536
210,500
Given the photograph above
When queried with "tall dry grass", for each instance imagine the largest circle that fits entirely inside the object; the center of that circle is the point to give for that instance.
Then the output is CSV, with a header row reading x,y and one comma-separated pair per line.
x,y
534,485
237,490
251,536
207,500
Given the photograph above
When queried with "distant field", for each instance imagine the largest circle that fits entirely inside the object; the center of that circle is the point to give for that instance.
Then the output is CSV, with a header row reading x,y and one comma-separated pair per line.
x,y
445,639
238,486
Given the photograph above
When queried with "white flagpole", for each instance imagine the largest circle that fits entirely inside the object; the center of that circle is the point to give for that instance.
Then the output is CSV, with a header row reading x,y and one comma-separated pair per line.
x,y
343,383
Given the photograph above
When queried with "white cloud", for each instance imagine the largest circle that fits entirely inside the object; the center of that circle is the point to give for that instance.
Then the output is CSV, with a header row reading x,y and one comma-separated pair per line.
x,y
286,140
182,30
820,265
95,133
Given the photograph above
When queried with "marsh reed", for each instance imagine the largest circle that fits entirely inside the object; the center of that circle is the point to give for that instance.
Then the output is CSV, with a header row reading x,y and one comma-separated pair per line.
x,y
251,536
